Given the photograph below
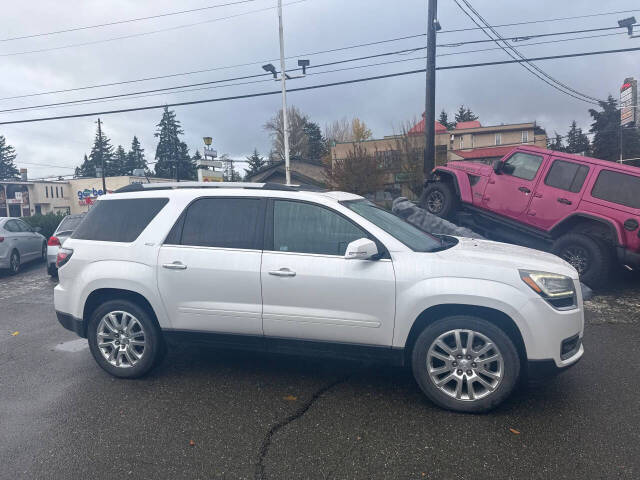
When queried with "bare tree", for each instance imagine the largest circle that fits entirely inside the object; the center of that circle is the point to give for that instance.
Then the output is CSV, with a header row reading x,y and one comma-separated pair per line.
x,y
343,131
298,141
358,173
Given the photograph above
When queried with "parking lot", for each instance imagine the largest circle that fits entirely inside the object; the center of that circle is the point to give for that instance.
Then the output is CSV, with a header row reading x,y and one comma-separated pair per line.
x,y
211,414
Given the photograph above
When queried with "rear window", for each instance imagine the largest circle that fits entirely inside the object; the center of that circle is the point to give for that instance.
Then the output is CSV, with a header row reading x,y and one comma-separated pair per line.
x,y
567,176
69,224
119,220
617,188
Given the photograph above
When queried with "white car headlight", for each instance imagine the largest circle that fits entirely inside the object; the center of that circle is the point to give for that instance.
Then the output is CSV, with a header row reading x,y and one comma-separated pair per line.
x,y
558,290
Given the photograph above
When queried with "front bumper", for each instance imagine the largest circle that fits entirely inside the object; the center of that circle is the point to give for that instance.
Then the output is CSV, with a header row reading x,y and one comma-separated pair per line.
x,y
541,369
72,323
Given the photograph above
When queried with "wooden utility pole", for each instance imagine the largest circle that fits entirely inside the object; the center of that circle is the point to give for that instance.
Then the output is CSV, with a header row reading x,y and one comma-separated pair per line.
x,y
430,101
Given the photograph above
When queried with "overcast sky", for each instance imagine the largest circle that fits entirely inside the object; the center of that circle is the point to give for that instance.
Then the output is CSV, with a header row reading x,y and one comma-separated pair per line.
x,y
500,94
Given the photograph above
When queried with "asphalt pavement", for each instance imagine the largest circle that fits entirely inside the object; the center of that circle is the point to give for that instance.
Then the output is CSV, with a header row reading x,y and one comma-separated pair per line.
x,y
210,414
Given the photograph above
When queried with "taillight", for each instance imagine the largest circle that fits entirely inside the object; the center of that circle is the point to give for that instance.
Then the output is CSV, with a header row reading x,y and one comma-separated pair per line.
x,y
64,254
53,242
1,239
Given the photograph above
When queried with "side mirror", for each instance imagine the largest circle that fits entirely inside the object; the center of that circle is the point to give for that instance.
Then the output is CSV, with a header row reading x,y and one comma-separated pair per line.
x,y
361,249
497,166
37,229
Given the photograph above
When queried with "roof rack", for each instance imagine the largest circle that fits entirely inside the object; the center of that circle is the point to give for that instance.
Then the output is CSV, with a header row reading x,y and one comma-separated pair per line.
x,y
143,187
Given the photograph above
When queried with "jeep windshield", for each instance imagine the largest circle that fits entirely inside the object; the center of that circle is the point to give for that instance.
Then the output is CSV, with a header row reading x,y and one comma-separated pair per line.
x,y
414,238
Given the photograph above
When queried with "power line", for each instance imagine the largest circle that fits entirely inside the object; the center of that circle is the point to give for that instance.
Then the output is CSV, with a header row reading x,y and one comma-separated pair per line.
x,y
142,34
500,41
547,20
314,87
129,20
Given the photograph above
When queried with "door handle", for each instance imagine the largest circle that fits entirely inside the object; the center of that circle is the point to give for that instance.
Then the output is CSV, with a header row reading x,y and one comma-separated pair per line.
x,y
283,272
565,201
524,190
174,266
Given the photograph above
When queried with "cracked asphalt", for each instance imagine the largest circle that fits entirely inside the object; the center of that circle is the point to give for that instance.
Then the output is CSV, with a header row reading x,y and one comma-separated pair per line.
x,y
210,414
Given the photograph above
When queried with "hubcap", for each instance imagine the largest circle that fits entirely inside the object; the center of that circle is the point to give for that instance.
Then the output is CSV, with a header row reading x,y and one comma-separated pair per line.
x,y
465,364
15,262
578,257
121,339
435,202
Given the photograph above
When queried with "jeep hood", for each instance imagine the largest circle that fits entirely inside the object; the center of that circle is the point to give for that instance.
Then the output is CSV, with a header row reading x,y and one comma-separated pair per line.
x,y
474,168
477,253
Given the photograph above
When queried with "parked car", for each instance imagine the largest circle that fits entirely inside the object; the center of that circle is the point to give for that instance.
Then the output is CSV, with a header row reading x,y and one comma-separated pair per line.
x,y
19,243
64,230
585,210
274,268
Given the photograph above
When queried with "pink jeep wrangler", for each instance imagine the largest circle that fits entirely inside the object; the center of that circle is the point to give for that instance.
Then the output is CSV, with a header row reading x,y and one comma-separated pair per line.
x,y
585,210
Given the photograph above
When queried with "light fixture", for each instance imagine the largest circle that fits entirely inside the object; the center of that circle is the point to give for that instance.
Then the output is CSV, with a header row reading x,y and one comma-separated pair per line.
x,y
271,69
628,23
304,63
207,141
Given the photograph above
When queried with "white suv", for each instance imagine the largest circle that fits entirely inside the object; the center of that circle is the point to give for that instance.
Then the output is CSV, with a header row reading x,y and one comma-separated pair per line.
x,y
271,267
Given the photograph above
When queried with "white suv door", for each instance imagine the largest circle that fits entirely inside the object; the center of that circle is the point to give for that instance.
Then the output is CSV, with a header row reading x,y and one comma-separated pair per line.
x,y
209,266
310,291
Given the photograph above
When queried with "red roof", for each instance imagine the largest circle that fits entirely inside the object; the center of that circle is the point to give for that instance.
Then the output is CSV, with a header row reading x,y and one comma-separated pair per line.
x,y
483,152
419,128
470,124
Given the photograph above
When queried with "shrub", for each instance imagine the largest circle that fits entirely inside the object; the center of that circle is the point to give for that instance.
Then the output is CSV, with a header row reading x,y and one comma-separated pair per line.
x,y
48,223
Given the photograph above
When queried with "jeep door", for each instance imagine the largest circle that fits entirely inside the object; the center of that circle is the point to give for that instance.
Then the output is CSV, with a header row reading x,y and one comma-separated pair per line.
x,y
558,195
310,291
509,192
209,266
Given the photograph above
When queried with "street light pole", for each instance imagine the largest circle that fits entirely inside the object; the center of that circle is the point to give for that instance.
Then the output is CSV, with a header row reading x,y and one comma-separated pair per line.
x,y
430,100
285,124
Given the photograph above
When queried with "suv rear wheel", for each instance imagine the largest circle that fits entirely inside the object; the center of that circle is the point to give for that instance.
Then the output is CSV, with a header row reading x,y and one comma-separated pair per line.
x,y
589,256
439,199
465,364
124,339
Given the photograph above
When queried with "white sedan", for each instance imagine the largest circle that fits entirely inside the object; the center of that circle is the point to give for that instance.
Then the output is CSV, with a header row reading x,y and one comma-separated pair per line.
x,y
19,243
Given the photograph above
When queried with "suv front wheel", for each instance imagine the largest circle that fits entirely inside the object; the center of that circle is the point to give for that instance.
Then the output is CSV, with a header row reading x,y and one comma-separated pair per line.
x,y
124,339
465,364
439,199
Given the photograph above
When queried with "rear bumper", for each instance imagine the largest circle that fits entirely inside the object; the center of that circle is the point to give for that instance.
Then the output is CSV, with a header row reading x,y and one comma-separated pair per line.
x,y
72,323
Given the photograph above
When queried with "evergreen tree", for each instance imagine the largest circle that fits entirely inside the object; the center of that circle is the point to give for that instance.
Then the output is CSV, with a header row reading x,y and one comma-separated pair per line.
x,y
8,170
605,127
118,164
556,143
255,161
464,114
170,149
102,151
186,164
316,143
577,140
444,120
135,157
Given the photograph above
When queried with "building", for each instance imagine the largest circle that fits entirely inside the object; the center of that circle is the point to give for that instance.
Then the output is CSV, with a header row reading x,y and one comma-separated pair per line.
x,y
23,198
307,174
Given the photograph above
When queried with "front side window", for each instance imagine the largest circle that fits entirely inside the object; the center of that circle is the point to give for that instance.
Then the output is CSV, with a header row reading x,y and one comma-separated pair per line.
x,y
617,187
23,226
307,228
567,176
121,220
412,237
522,165
221,223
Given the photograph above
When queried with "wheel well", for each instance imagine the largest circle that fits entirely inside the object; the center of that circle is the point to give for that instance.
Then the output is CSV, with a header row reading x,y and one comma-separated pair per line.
x,y
449,178
592,227
97,297
498,318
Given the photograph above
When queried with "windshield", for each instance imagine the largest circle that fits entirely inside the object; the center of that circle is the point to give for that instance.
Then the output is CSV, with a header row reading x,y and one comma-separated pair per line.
x,y
412,237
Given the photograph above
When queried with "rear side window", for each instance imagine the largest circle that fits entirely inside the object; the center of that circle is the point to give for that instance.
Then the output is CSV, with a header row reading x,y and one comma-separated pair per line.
x,y
617,188
522,165
11,226
119,220
220,222
567,176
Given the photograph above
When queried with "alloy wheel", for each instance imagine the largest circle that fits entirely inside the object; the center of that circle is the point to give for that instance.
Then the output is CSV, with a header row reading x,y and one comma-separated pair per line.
x,y
578,257
121,339
465,365
435,202
14,262
44,251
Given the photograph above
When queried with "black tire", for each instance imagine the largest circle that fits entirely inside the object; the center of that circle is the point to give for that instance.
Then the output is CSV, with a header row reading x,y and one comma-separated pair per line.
x,y
590,256
52,270
153,342
14,263
489,398
439,199
43,256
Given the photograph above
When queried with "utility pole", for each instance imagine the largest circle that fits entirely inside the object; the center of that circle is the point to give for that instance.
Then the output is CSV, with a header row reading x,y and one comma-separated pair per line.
x,y
283,74
104,182
430,101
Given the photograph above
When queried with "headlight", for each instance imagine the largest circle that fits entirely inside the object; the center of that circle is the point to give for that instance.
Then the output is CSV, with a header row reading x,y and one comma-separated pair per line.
x,y
558,290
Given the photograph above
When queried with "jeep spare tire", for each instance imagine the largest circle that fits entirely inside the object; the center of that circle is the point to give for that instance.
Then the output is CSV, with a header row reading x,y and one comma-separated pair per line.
x,y
439,199
589,256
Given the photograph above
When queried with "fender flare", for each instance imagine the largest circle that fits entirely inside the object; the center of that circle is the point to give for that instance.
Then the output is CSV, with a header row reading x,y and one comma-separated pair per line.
x,y
615,229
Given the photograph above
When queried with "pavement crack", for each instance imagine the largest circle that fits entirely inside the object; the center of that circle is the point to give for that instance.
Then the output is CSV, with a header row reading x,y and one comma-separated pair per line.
x,y
266,442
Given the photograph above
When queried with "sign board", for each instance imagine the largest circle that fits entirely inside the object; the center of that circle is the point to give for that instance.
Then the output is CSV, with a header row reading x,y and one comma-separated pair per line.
x,y
210,163
628,102
210,152
209,176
